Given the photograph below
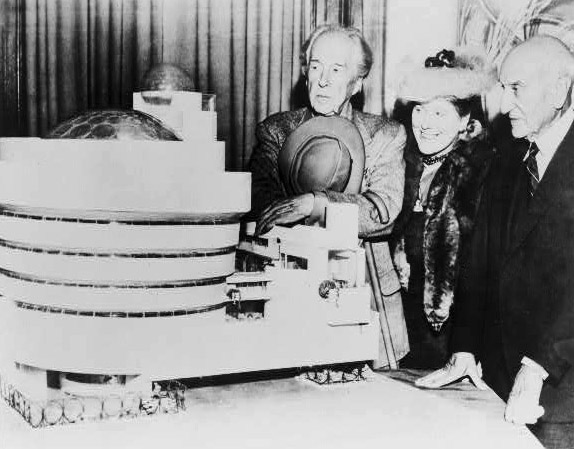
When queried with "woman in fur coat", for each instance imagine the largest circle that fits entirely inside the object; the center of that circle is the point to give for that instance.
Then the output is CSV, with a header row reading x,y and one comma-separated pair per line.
x,y
447,156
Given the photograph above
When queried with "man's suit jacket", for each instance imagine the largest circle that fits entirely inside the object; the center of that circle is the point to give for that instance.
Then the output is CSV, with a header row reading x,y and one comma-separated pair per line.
x,y
517,288
384,142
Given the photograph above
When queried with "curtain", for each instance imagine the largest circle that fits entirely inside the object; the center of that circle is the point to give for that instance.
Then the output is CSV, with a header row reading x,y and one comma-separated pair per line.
x,y
11,111
86,54
92,54
244,51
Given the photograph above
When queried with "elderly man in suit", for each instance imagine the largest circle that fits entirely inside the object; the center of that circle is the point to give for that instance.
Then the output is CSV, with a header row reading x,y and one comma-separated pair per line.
x,y
516,307
335,62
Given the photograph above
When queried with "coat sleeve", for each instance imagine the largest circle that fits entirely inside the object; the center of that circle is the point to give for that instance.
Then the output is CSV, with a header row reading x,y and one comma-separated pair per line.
x,y
469,308
537,285
266,186
549,317
385,178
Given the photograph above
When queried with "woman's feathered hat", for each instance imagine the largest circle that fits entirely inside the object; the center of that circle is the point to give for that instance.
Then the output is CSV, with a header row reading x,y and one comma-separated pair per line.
x,y
461,73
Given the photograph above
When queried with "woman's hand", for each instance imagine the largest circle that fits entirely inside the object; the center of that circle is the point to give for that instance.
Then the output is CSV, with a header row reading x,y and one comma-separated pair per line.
x,y
461,364
287,211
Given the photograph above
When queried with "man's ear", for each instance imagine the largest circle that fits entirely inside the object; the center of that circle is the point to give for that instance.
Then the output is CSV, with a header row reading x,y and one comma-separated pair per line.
x,y
464,122
357,86
561,92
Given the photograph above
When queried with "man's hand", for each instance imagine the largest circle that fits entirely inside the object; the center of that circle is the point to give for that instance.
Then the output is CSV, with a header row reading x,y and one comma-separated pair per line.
x,y
523,403
285,211
461,364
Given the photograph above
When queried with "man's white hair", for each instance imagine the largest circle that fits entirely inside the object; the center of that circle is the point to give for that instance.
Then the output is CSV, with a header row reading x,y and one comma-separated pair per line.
x,y
553,57
364,63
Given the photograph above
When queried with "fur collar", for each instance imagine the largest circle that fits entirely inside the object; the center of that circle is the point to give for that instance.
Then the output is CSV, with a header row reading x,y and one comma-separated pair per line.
x,y
449,217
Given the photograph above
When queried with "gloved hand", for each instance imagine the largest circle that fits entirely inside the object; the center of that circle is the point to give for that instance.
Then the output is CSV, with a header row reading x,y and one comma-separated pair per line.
x,y
461,364
523,403
285,211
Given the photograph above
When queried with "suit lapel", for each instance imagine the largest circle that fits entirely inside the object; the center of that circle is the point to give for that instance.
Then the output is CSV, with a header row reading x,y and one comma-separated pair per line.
x,y
550,191
413,172
518,204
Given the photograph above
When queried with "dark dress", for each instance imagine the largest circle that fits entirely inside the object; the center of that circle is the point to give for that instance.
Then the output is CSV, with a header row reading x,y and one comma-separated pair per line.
x,y
429,244
429,349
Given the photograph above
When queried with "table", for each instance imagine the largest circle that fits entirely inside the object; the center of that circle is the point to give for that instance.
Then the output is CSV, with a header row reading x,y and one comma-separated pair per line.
x,y
385,411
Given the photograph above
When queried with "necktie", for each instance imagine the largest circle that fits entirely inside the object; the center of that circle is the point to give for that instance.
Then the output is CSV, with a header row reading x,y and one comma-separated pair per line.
x,y
532,168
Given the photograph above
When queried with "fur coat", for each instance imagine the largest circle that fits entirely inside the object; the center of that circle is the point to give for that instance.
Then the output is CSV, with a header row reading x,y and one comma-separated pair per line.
x,y
449,216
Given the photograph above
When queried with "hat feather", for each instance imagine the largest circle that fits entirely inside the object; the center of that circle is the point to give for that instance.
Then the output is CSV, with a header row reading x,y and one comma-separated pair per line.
x,y
468,74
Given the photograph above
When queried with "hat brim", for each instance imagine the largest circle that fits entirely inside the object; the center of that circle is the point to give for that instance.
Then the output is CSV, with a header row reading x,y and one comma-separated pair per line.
x,y
334,127
425,84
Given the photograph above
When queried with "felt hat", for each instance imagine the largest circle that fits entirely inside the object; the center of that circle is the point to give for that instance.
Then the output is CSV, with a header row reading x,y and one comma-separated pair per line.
x,y
324,153
461,73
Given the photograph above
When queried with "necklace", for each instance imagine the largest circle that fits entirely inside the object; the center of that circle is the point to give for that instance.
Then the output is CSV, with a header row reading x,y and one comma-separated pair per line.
x,y
431,160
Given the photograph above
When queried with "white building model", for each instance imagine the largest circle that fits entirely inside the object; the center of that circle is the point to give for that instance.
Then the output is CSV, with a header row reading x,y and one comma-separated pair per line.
x,y
322,267
114,257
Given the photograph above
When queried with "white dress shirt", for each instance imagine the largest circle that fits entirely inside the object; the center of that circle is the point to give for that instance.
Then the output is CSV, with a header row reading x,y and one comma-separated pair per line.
x,y
550,139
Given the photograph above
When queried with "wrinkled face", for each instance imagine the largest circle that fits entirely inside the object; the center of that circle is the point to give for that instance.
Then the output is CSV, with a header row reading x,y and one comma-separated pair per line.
x,y
436,125
526,95
332,73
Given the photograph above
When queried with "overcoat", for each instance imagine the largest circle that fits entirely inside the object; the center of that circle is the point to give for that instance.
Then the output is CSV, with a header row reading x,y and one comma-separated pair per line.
x,y
517,288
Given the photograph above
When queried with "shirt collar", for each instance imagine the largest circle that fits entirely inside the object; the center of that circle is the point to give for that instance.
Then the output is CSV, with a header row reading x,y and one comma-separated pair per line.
x,y
347,112
549,140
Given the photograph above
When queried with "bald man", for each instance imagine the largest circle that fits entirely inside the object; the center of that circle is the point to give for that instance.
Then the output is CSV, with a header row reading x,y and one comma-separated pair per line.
x,y
515,311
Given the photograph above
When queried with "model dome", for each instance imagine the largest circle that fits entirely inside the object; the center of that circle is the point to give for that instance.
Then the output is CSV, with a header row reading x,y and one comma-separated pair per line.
x,y
167,77
113,125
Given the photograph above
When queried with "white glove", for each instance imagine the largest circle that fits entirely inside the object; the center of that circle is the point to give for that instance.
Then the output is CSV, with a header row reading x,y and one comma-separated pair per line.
x,y
523,403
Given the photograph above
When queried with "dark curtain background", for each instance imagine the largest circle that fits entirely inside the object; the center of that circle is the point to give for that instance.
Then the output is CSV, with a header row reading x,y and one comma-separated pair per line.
x,y
61,57
11,38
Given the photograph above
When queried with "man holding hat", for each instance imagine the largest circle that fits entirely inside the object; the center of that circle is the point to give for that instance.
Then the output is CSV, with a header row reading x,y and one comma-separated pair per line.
x,y
329,152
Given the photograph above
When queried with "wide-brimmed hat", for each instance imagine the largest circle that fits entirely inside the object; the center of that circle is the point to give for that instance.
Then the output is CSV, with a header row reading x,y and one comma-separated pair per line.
x,y
461,73
324,153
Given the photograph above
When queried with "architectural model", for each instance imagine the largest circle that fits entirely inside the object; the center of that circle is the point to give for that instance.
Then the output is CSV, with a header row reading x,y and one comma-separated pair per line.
x,y
117,269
